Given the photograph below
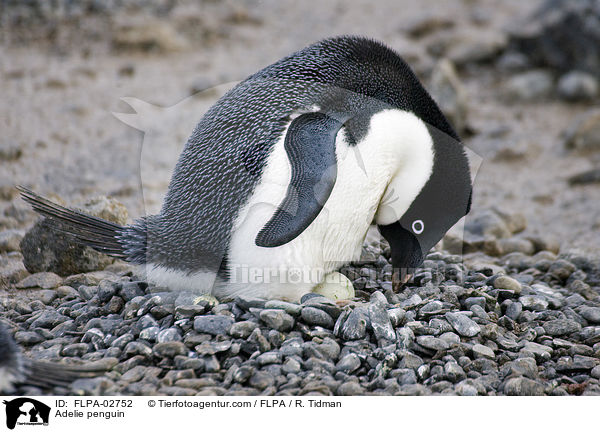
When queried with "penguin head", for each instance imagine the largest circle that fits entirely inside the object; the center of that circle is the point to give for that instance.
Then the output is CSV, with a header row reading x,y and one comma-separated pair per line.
x,y
443,200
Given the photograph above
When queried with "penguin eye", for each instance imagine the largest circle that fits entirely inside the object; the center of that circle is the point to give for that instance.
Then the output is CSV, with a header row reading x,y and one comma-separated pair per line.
x,y
418,226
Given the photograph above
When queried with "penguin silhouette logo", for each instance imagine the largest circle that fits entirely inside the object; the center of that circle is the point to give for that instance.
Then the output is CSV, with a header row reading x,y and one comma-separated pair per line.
x,y
26,411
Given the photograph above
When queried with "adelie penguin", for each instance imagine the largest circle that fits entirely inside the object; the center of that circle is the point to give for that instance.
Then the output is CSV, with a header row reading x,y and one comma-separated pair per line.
x,y
281,179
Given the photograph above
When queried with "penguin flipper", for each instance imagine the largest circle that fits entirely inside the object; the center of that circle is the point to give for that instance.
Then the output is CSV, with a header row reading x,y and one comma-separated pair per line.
x,y
310,146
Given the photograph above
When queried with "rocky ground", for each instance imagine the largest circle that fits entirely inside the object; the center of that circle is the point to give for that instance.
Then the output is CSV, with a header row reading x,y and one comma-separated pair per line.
x,y
517,313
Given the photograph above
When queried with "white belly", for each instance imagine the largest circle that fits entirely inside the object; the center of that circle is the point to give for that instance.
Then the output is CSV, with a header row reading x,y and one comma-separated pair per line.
x,y
335,237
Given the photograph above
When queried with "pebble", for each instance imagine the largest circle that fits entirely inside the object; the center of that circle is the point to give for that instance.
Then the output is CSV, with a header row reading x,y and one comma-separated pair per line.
x,y
291,308
522,386
355,326
577,86
410,361
349,363
261,380
433,343
508,283
561,327
464,325
591,314
530,85
242,329
453,371
534,302
350,389
380,323
583,134
317,317
482,351
213,324
46,280
277,319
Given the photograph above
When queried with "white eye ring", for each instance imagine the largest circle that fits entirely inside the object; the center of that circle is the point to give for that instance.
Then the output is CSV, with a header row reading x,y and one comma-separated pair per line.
x,y
418,226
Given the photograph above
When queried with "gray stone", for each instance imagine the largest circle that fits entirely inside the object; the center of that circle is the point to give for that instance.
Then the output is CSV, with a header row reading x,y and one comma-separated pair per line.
x,y
149,334
130,290
561,35
380,323
46,280
324,304
270,357
404,336
406,376
75,350
450,338
525,366
449,93
508,283
47,250
561,327
349,363
480,351
534,302
487,223
168,335
48,319
291,366
514,310
317,317
541,352
139,348
170,349
213,324
27,338
453,372
396,316
242,329
591,314
464,325
464,389
293,309
583,134
522,386
410,361
355,326
10,240
577,86
277,319
475,301
531,85
433,343
561,269
350,389
261,380
431,308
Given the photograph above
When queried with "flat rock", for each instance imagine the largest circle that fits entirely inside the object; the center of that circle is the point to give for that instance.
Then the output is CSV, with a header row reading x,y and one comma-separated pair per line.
x,y
463,325
46,280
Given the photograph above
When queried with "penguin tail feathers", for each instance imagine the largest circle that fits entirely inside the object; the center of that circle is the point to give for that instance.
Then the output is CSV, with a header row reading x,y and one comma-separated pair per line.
x,y
17,370
124,242
47,374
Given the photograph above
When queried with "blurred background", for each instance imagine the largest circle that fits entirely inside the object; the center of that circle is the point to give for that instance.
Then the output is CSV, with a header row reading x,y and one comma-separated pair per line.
x,y
518,80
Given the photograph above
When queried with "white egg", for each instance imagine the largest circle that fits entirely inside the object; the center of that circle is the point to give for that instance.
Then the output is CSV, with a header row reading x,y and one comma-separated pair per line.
x,y
336,286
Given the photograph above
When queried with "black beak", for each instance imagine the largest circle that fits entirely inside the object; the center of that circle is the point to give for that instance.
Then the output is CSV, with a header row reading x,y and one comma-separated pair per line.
x,y
406,252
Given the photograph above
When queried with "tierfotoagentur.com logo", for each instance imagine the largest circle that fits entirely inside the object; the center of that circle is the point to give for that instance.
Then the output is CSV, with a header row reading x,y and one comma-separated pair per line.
x,y
26,412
